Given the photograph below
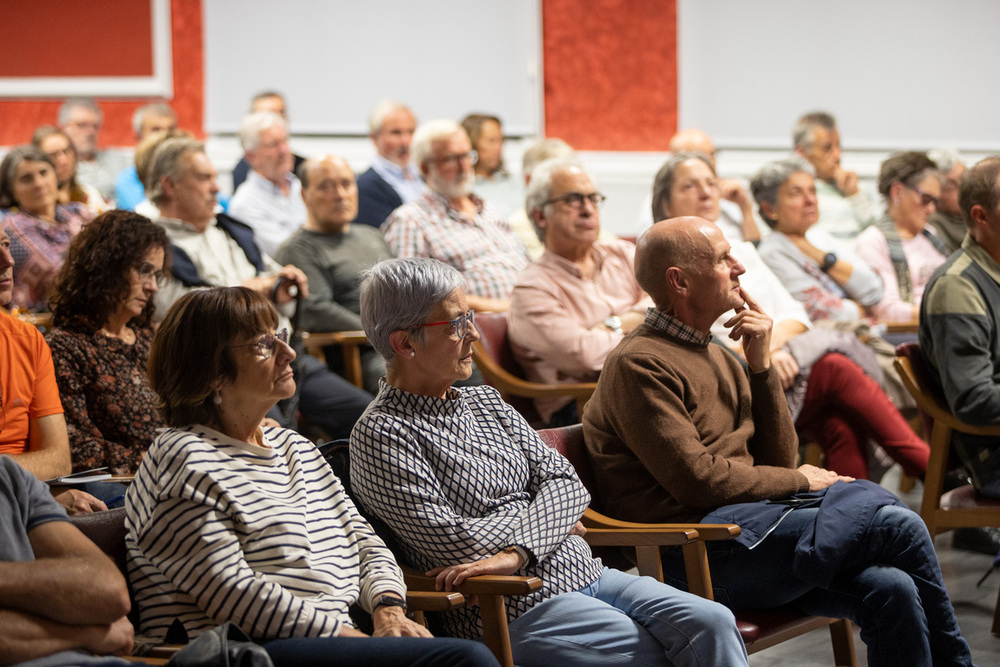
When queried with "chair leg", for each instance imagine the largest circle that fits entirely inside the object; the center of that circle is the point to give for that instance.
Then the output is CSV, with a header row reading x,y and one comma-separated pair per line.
x,y
496,634
843,643
699,578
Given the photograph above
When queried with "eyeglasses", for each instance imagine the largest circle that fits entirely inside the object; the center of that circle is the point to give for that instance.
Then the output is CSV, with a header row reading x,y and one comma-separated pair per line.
x,y
575,200
456,159
263,347
147,271
462,324
925,198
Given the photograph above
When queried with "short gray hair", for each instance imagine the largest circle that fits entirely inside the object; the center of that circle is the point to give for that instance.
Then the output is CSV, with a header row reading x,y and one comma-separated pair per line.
x,y
769,179
540,188
802,133
377,117
542,150
944,158
663,183
398,294
255,123
166,162
155,109
66,110
427,133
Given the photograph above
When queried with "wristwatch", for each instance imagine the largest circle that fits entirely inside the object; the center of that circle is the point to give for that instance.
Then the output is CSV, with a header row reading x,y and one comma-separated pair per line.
x,y
614,323
828,261
389,601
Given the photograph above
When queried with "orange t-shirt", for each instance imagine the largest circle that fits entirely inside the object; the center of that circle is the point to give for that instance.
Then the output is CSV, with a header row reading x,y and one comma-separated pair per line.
x,y
28,388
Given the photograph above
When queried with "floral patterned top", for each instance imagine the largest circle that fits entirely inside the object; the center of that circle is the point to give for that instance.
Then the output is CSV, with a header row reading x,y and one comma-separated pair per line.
x,y
110,407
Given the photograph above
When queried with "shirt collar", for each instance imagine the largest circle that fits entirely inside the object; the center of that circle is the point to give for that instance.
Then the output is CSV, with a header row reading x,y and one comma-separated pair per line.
x,y
409,172
551,259
671,327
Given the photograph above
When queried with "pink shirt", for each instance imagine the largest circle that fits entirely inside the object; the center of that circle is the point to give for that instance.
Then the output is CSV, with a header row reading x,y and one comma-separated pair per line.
x,y
554,309
922,258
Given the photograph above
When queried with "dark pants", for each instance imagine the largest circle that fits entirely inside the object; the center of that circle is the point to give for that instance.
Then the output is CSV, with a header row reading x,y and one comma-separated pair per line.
x,y
327,400
379,652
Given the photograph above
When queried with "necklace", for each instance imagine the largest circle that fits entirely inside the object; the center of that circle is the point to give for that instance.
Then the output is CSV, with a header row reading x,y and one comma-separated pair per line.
x,y
129,336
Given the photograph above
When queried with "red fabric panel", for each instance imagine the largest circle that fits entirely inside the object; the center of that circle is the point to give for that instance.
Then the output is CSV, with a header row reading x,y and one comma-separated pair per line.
x,y
78,52
610,73
19,118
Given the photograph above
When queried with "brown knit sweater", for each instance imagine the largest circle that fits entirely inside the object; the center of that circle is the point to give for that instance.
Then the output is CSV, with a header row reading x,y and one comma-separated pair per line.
x,y
672,431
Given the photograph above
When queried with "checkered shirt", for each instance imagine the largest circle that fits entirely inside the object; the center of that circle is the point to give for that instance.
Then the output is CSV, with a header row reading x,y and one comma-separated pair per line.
x,y
483,248
668,325
461,478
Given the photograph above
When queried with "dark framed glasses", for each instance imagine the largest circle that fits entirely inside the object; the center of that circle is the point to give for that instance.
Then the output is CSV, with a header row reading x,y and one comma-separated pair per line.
x,y
575,199
462,323
263,347
925,198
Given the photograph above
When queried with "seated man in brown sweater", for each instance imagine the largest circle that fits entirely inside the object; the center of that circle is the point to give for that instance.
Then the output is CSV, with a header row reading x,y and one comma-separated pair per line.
x,y
678,431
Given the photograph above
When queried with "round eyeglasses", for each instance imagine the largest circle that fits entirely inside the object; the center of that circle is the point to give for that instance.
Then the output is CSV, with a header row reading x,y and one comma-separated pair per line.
x,y
575,200
462,323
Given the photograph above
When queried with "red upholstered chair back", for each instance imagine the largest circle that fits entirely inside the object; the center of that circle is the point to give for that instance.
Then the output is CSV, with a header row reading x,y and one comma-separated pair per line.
x,y
568,441
495,344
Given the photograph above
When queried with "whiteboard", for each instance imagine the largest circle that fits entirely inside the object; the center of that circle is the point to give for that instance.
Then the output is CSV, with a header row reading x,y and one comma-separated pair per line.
x,y
335,59
896,73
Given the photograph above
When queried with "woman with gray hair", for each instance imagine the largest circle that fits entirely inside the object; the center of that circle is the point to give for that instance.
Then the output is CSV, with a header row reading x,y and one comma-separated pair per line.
x,y
830,280
469,489
40,229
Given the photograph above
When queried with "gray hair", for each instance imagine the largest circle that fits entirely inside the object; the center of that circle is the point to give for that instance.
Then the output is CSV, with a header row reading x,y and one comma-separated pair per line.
x,y
154,109
769,179
381,110
263,95
398,294
8,170
663,183
255,123
66,110
166,162
542,150
421,148
944,158
540,188
802,133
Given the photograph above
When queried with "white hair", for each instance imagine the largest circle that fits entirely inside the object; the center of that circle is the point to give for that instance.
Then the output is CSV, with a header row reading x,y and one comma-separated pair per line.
x,y
255,123
381,111
427,133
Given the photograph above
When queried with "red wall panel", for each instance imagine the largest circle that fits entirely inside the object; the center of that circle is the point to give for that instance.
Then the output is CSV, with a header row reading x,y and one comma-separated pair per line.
x,y
611,73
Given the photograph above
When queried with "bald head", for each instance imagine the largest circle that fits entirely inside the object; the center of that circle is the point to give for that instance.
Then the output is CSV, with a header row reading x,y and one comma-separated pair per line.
x,y
330,193
677,242
693,140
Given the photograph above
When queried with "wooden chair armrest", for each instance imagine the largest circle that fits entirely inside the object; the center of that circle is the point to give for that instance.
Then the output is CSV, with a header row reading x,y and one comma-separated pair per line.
x,y
482,584
634,537
164,651
706,531
324,338
433,600
901,326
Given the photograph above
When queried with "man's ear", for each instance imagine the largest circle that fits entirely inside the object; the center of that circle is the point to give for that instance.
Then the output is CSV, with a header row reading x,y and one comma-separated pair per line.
x,y
677,281
978,215
424,169
538,215
401,342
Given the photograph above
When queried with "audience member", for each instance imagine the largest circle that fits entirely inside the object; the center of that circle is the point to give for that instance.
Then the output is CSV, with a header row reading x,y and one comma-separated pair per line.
x,y
102,314
216,250
901,248
520,222
147,120
333,252
56,144
571,307
451,224
39,229
678,430
845,209
820,270
948,220
470,489
959,325
494,182
32,426
268,100
144,153
392,180
270,200
830,379
229,521
81,118
63,600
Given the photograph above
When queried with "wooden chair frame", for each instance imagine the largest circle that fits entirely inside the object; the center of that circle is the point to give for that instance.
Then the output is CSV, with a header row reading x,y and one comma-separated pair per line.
x,y
350,343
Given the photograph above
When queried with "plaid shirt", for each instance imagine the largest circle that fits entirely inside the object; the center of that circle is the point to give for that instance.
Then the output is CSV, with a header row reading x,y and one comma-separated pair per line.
x,y
672,327
483,248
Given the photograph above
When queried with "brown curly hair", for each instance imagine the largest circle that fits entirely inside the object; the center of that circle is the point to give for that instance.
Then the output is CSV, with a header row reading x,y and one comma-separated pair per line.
x,y
94,279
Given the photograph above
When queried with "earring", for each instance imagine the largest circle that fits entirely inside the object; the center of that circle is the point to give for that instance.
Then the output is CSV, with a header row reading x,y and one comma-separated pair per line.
x,y
412,353
218,398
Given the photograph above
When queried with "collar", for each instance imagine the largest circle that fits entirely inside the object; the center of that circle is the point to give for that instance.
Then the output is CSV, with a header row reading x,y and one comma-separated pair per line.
x,y
978,254
671,327
438,200
272,187
176,224
409,172
453,402
550,258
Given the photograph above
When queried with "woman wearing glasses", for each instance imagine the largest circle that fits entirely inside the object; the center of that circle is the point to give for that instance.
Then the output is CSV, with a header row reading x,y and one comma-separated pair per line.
x,y
468,487
229,521
102,307
902,248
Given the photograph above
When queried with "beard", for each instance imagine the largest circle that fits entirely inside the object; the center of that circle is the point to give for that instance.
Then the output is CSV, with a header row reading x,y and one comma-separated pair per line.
x,y
453,189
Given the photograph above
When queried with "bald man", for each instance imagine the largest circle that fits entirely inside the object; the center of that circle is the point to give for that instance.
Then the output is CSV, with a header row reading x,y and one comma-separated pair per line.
x,y
679,431
333,252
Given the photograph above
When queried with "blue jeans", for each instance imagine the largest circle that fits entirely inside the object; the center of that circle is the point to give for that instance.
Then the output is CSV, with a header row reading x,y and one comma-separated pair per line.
x,y
621,619
378,652
890,586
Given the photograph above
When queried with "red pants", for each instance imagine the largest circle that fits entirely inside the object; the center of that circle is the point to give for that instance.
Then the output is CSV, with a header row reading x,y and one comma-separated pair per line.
x,y
844,408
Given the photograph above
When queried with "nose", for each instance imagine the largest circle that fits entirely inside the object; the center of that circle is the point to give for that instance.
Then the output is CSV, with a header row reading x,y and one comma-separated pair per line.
x,y
473,334
738,269
6,258
285,351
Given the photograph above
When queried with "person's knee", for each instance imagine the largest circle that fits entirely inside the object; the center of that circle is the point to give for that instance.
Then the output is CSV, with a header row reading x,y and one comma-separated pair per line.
x,y
903,521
